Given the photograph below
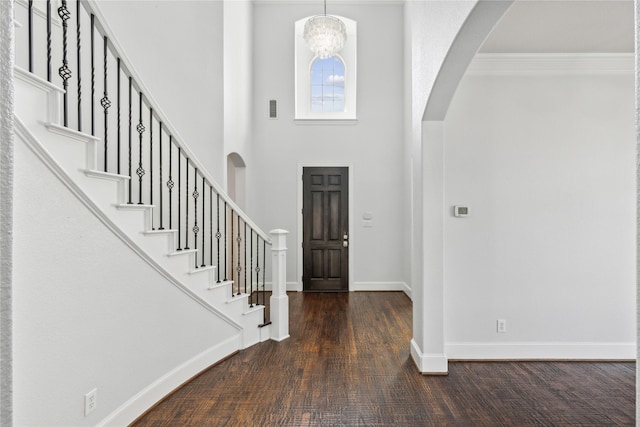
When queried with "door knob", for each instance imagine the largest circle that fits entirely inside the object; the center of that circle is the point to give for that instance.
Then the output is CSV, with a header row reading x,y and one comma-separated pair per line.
x,y
345,243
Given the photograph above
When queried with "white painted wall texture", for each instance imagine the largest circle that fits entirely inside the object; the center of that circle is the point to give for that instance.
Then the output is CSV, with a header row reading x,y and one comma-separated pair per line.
x,y
373,145
88,312
177,49
546,164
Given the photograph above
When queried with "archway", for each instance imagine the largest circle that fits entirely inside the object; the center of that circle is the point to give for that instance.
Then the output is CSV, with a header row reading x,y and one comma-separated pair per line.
x,y
236,179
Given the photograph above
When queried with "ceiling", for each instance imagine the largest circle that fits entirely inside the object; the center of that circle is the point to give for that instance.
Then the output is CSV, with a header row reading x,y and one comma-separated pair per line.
x,y
564,26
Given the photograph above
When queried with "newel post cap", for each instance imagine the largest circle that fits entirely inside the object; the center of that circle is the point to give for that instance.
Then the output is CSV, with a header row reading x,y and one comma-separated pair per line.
x,y
279,239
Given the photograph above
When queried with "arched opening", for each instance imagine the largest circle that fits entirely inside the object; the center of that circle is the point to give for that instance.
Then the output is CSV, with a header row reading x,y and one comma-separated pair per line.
x,y
236,179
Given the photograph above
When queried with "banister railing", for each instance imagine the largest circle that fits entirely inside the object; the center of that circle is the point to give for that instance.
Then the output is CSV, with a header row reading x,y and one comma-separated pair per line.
x,y
140,142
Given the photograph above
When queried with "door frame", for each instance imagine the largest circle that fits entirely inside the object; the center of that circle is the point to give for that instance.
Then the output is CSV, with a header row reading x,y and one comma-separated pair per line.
x,y
299,222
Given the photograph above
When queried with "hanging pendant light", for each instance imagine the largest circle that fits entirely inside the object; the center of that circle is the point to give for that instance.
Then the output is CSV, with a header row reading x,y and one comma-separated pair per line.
x,y
324,34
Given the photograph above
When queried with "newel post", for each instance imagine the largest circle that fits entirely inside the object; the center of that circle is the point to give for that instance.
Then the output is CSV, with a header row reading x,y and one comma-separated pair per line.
x,y
279,300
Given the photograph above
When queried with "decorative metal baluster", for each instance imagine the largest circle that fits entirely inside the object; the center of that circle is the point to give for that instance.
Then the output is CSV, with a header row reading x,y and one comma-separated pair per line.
x,y
118,115
30,24
245,257
151,162
251,270
186,206
211,230
218,235
49,41
93,77
179,193
140,171
264,292
204,228
78,44
239,268
130,138
105,104
160,181
226,254
195,229
257,269
225,245
64,71
170,182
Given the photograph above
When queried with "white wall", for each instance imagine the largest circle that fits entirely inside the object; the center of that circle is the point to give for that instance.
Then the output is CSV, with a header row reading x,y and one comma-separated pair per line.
x,y
238,89
177,48
373,146
89,313
546,164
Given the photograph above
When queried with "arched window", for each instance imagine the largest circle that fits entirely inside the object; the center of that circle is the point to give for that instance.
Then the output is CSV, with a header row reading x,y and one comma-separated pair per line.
x,y
327,85
325,88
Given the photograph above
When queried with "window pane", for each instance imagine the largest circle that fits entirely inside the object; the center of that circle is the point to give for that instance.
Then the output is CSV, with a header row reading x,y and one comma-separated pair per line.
x,y
327,85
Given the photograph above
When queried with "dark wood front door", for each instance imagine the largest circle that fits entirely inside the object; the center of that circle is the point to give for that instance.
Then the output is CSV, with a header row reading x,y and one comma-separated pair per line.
x,y
325,215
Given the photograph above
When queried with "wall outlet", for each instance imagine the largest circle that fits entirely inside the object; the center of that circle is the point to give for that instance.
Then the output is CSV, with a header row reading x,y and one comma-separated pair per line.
x,y
90,401
502,326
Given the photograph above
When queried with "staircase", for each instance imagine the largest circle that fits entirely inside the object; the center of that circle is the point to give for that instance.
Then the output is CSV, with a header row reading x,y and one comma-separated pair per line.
x,y
194,236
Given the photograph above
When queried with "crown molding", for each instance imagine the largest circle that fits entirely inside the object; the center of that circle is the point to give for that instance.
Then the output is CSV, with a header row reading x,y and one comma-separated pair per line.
x,y
552,64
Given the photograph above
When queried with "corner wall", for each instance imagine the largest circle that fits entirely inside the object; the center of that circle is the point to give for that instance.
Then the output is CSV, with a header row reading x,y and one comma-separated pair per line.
x,y
547,170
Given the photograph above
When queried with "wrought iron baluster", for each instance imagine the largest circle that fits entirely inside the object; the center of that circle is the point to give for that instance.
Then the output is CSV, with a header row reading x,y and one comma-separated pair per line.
x,y
186,206
257,269
160,181
170,182
79,62
245,258
105,105
232,247
264,292
93,76
239,268
30,29
64,71
211,230
49,41
196,229
179,193
151,162
140,171
251,269
226,254
218,235
130,137
204,227
118,116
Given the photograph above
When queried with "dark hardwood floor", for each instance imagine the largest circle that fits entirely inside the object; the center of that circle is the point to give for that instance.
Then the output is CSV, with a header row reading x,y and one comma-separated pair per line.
x,y
347,363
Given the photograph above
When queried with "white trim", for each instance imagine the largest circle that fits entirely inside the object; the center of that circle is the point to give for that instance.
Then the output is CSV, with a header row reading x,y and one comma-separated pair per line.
x,y
541,350
378,286
352,240
429,364
160,388
551,64
407,290
327,121
291,286
34,145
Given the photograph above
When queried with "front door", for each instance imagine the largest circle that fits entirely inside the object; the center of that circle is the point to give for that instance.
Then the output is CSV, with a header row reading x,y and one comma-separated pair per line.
x,y
325,215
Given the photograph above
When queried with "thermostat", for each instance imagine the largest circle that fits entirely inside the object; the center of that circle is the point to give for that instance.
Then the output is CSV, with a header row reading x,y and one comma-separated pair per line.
x,y
460,211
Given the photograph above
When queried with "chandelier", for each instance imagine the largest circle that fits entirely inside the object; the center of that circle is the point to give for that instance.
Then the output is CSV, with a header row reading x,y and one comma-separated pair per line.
x,y
324,34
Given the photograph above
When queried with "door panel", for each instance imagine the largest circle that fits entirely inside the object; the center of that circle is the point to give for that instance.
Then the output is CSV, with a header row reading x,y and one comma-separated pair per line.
x,y
325,229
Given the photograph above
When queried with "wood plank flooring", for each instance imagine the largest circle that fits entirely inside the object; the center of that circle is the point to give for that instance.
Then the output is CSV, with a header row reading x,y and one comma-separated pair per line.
x,y
347,363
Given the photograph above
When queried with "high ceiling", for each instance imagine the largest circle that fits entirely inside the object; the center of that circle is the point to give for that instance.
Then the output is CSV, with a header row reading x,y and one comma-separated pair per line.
x,y
564,26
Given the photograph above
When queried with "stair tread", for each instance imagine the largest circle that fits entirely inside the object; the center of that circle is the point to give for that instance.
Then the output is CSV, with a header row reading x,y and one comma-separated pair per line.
x,y
134,206
183,252
105,175
203,269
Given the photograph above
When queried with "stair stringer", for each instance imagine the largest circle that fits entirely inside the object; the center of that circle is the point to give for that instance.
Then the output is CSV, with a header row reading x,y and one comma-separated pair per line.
x,y
136,226
23,133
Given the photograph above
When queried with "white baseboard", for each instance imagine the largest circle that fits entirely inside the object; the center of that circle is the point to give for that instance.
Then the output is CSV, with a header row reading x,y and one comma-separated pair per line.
x,y
379,286
291,286
160,388
407,290
540,351
429,364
